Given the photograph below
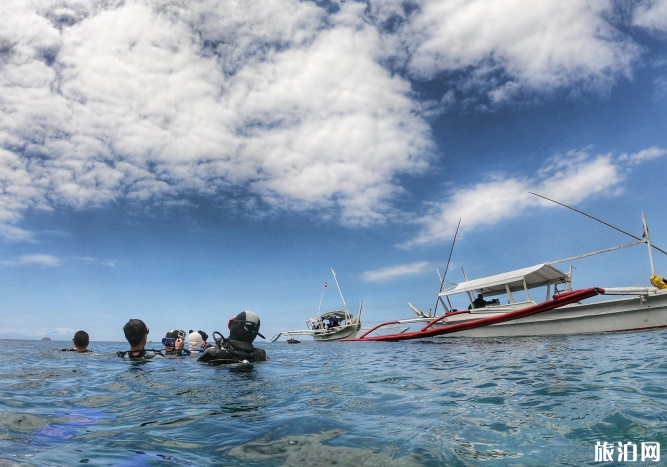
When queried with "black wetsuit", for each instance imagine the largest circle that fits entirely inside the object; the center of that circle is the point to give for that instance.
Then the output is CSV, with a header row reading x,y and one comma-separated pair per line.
x,y
143,354
229,351
74,350
177,353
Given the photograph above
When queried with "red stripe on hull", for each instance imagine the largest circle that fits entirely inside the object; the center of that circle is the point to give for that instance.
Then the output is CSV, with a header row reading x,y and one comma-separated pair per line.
x,y
557,302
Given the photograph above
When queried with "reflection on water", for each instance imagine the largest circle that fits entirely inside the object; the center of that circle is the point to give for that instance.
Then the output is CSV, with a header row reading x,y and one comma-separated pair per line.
x,y
460,402
310,451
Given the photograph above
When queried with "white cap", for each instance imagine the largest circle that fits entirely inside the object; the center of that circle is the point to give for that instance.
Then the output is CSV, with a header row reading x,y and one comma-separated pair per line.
x,y
195,341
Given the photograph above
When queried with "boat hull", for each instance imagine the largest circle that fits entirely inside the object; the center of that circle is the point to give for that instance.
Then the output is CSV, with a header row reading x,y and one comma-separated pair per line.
x,y
336,335
625,314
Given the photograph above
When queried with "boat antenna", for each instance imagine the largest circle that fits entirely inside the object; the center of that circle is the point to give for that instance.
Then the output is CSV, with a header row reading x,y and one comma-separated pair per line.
x,y
339,291
599,220
442,282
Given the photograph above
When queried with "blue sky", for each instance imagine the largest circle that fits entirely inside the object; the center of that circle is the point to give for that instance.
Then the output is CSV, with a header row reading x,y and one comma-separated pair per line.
x,y
180,162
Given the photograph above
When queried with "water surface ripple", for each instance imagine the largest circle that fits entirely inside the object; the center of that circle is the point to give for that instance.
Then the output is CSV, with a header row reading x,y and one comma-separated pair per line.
x,y
459,402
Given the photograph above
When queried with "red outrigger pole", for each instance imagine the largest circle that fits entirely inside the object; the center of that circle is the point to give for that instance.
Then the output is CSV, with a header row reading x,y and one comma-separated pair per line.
x,y
558,301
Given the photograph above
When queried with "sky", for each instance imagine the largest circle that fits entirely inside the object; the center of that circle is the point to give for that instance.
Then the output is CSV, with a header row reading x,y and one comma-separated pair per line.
x,y
180,162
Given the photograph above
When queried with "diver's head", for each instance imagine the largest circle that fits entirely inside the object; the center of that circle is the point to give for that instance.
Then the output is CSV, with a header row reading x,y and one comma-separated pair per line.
x,y
195,340
172,338
135,332
245,327
81,340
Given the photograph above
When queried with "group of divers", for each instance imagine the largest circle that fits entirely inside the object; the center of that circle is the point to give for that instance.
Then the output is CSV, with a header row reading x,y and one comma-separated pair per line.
x,y
238,348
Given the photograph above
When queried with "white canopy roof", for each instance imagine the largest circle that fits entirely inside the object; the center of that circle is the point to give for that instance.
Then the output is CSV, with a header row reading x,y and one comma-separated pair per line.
x,y
535,276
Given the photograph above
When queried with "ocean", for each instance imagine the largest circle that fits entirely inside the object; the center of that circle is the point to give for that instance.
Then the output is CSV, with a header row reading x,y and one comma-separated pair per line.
x,y
440,402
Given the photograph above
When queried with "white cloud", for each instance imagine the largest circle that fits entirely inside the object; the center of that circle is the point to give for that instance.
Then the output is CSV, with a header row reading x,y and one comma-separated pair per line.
x,y
645,155
64,331
280,105
34,260
509,45
151,100
103,262
14,234
392,272
568,178
651,14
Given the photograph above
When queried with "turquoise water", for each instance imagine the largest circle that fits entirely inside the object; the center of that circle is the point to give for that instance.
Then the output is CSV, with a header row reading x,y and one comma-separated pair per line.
x,y
514,401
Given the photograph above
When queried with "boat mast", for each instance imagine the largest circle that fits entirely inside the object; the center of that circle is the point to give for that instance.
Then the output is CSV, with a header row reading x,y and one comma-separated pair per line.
x,y
648,242
321,296
442,282
341,292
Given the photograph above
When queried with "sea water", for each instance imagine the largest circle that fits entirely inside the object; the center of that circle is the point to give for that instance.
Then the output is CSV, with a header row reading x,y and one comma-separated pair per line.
x,y
441,402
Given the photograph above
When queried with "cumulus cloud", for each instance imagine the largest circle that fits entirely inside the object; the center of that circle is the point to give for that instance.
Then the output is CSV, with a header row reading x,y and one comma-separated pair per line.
x,y
149,101
285,105
505,47
34,260
651,14
569,178
392,272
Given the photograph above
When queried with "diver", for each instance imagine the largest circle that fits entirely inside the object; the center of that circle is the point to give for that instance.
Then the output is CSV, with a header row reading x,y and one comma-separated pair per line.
x,y
173,342
197,341
136,334
238,348
81,341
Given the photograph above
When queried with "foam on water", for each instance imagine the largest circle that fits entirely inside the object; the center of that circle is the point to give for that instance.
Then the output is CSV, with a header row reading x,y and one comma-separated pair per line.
x,y
514,401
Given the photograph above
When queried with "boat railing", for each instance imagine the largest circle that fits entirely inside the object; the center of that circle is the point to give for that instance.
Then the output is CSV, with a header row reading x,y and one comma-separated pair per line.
x,y
503,308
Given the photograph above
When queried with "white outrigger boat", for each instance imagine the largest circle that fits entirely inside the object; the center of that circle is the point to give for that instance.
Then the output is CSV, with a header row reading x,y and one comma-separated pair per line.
x,y
641,308
346,325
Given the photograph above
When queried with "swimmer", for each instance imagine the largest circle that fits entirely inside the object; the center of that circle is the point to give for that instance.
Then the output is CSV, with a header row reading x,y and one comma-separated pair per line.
x,y
81,341
174,342
204,336
197,341
238,348
136,334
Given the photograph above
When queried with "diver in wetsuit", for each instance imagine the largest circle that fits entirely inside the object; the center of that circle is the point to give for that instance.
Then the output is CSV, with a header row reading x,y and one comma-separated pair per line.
x,y
136,334
197,341
80,341
238,348
174,342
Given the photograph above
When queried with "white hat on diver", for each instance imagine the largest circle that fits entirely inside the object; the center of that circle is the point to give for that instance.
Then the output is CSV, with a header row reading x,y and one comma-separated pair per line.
x,y
195,340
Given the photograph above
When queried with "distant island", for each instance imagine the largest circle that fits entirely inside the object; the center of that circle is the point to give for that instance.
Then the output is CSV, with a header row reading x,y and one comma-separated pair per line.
x,y
46,338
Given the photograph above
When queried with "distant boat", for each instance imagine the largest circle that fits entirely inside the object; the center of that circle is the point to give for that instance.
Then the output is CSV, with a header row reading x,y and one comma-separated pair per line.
x,y
340,324
642,308
291,340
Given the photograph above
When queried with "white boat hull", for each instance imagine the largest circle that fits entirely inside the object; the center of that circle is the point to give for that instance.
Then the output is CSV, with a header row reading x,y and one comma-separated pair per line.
x,y
624,314
338,334
323,335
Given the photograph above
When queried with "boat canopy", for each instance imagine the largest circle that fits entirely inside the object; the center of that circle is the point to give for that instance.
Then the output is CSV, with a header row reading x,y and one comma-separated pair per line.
x,y
521,279
340,314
